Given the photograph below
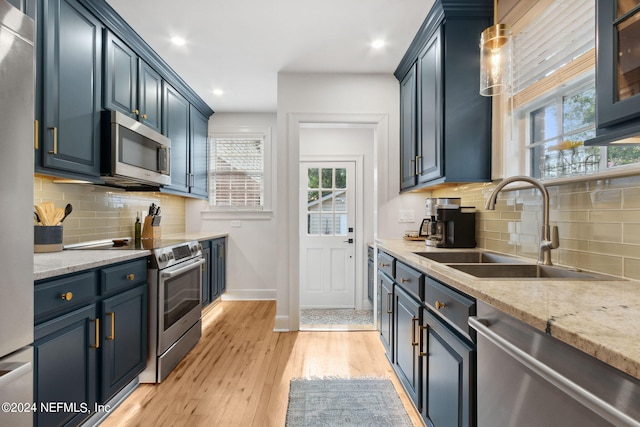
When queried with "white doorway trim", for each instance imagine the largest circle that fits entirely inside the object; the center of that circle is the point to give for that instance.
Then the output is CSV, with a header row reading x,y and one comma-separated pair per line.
x,y
291,248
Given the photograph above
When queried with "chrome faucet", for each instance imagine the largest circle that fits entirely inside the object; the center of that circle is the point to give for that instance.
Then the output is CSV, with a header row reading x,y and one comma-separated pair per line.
x,y
548,240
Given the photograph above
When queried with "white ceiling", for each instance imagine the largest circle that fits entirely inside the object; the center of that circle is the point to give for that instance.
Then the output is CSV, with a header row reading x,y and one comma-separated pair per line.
x,y
239,46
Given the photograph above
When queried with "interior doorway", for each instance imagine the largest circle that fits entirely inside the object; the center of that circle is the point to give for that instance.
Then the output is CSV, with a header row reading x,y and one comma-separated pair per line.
x,y
335,224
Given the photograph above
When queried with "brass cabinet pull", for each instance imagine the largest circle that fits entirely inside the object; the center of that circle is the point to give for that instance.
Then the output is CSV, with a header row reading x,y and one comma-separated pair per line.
x,y
403,280
389,310
66,296
440,305
383,265
412,165
418,158
413,331
36,129
131,277
420,346
97,345
55,140
113,326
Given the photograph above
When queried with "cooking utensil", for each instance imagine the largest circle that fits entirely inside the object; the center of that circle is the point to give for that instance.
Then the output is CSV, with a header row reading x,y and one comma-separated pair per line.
x,y
57,216
42,215
50,211
152,209
67,210
155,221
37,217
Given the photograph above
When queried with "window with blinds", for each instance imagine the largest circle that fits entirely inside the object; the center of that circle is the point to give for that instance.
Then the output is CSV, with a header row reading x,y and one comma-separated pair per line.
x,y
237,173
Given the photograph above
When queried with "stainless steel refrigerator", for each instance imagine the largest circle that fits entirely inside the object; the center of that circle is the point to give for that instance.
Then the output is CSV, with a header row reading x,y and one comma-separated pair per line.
x,y
16,224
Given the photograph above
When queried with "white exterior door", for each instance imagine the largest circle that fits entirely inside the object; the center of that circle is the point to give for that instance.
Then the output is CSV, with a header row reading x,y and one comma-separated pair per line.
x,y
327,247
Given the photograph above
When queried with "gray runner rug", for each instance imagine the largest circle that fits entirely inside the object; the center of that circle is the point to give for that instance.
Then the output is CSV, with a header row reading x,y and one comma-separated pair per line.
x,y
345,402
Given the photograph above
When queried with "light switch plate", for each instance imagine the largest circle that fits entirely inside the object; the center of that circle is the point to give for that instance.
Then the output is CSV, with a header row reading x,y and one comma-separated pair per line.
x,y
236,224
407,215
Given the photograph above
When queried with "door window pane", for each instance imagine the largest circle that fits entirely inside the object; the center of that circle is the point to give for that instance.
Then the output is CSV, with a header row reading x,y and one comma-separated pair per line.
x,y
327,201
341,224
341,178
327,225
313,178
340,201
327,178
313,204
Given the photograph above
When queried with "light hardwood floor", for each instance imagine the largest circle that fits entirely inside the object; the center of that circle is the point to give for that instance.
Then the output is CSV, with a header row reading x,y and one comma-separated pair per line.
x,y
238,374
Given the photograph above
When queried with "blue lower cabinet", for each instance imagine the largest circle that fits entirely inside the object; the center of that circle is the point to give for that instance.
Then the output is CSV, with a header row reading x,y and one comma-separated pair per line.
x,y
124,343
65,356
385,313
84,355
406,346
214,273
448,375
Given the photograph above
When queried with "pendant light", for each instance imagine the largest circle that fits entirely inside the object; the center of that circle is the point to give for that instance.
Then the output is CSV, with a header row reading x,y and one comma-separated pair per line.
x,y
495,57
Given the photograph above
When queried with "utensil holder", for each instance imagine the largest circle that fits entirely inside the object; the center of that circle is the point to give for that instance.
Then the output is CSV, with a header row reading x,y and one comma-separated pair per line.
x,y
150,231
47,238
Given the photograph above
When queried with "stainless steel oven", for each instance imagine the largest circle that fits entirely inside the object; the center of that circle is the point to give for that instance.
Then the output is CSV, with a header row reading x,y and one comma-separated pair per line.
x,y
175,295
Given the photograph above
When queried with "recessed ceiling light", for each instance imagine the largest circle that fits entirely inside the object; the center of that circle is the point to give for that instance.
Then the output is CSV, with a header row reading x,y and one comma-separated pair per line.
x,y
377,44
218,92
178,41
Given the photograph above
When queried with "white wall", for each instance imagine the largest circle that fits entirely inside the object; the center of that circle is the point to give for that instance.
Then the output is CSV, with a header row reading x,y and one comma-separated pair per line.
x,y
334,98
251,259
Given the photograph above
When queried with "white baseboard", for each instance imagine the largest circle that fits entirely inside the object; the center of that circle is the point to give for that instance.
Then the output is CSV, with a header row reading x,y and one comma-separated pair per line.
x,y
281,324
249,295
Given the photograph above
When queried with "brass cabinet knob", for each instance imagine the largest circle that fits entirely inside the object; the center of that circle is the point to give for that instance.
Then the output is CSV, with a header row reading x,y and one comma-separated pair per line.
x,y
131,276
144,117
403,280
136,112
440,305
66,296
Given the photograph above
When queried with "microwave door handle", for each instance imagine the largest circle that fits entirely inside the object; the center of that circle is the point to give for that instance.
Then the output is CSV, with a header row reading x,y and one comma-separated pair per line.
x,y
163,160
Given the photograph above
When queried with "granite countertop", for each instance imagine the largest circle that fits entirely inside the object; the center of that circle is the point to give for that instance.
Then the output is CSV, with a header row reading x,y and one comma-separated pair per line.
x,y
51,264
596,316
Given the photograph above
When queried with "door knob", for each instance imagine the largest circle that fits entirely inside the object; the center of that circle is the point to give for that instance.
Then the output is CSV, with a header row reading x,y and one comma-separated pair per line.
x,y
349,241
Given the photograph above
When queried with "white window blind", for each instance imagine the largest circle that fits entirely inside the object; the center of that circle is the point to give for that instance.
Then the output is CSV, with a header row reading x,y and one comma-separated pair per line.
x,y
555,46
237,173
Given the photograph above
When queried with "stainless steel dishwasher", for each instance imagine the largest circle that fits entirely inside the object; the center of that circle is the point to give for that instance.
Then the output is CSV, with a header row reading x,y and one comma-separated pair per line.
x,y
528,378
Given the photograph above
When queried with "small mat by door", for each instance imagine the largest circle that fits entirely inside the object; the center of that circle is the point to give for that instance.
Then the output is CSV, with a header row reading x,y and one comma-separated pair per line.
x,y
345,402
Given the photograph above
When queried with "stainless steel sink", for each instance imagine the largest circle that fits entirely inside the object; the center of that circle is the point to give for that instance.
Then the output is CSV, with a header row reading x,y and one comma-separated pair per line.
x,y
528,271
469,257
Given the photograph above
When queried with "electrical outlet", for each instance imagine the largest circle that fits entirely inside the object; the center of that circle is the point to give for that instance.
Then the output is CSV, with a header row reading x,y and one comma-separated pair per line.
x,y
236,224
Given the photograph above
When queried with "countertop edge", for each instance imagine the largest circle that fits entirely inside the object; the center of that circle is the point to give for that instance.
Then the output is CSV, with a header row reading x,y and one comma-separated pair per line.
x,y
47,265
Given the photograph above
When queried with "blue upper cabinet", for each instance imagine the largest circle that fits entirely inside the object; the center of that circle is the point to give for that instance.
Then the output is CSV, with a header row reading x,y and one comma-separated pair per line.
x,y
175,126
71,68
617,71
199,153
131,85
445,133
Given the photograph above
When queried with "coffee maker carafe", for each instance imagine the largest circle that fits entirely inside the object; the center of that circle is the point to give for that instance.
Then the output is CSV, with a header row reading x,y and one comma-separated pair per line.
x,y
447,224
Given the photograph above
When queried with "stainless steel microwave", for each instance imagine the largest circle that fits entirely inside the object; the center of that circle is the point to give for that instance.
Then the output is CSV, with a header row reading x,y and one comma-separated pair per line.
x,y
133,154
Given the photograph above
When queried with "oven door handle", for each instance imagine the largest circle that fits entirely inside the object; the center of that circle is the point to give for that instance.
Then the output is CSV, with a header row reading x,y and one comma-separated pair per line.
x,y
179,271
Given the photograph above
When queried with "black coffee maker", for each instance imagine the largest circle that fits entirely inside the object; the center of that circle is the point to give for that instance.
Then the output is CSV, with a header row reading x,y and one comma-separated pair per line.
x,y
447,224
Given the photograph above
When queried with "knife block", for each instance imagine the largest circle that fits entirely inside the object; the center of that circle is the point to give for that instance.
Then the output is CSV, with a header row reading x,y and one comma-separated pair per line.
x,y
150,231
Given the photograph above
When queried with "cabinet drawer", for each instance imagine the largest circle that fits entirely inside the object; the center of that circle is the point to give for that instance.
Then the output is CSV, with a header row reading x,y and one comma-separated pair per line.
x,y
123,276
449,304
386,264
409,279
62,295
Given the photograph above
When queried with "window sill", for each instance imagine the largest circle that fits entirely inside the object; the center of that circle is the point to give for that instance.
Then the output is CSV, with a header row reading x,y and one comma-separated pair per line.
x,y
619,171
236,214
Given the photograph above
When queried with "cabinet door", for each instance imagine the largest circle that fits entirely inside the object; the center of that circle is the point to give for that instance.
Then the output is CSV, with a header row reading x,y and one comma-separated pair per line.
x,y
618,59
370,280
386,307
448,375
199,153
65,359
407,352
175,126
408,140
123,339
149,96
430,111
72,67
121,77
206,273
218,268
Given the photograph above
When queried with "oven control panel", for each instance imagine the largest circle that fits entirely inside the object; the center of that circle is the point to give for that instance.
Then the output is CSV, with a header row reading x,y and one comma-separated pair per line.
x,y
174,254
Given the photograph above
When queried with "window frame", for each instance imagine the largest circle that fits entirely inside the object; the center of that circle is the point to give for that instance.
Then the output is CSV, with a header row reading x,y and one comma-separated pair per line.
x,y
228,212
